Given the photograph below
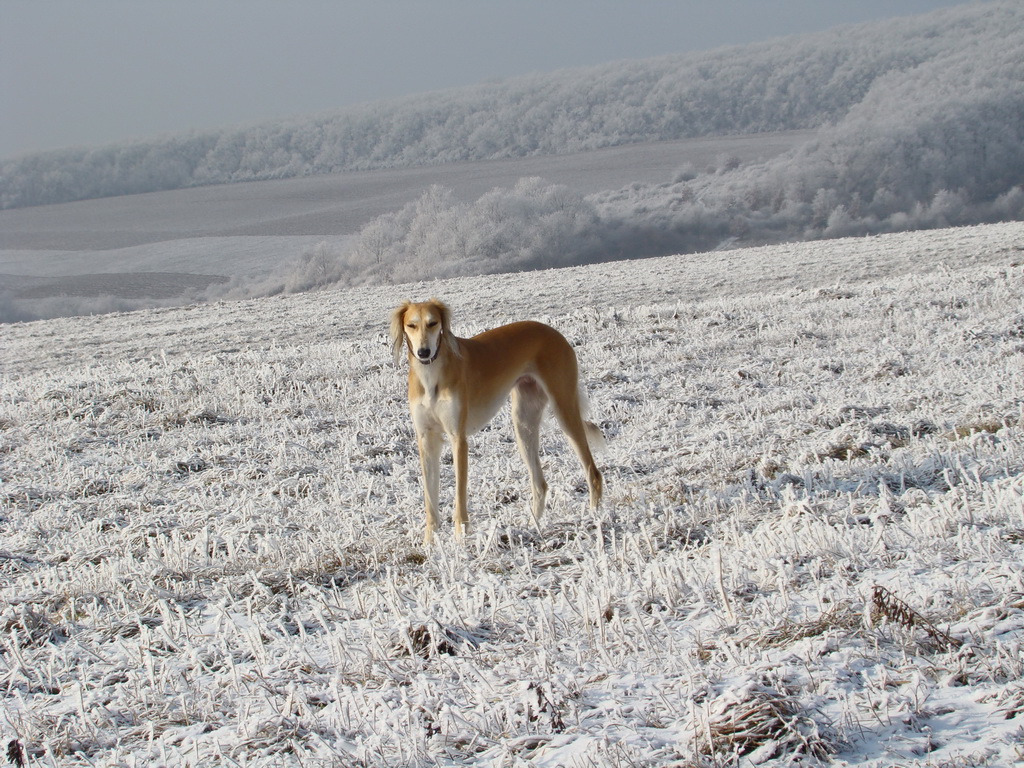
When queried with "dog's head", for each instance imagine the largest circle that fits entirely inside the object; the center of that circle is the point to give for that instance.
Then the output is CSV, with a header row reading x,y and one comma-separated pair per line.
x,y
423,326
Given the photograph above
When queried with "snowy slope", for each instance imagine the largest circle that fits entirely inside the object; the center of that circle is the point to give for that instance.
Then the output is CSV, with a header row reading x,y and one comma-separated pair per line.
x,y
811,546
243,229
242,240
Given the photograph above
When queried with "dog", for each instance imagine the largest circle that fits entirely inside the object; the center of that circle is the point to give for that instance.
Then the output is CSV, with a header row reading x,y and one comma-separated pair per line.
x,y
457,385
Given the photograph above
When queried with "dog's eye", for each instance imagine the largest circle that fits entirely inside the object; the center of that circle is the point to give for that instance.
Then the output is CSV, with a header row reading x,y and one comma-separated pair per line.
x,y
432,324
411,326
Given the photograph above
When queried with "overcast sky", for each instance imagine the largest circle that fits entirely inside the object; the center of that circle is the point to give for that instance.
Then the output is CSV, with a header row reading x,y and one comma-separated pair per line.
x,y
89,72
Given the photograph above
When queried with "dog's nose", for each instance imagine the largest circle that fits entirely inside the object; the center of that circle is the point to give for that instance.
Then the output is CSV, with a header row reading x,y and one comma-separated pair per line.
x,y
424,353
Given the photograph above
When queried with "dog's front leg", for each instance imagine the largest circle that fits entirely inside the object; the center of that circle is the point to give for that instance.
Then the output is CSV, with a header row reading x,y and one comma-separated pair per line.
x,y
430,443
460,452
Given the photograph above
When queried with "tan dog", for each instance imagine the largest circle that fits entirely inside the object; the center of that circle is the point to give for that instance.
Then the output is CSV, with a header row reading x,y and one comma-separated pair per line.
x,y
457,385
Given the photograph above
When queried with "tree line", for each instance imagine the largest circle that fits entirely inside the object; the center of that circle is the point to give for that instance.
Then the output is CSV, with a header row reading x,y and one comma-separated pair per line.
x,y
936,144
807,81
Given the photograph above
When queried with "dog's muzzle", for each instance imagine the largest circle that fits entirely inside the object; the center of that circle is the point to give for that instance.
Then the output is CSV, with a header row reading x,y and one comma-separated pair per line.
x,y
423,353
424,356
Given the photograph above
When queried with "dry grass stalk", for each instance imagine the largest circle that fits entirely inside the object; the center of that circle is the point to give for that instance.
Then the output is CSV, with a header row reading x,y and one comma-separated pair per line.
x,y
885,604
15,753
759,717
1011,702
841,617
420,641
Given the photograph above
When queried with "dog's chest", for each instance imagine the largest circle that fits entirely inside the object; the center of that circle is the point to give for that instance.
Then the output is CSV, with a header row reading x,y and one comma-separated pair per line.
x,y
435,405
437,408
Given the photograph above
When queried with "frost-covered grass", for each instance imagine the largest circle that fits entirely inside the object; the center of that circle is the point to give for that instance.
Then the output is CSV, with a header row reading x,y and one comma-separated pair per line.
x,y
810,549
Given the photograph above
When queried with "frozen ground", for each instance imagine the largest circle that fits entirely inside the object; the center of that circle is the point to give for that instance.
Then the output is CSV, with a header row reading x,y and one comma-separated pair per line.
x,y
810,550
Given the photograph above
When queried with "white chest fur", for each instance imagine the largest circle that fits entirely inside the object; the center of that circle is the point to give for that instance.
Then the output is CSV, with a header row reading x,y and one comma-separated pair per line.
x,y
436,407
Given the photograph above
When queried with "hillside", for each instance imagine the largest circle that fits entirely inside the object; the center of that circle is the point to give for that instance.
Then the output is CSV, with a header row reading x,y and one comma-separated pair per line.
x,y
249,239
911,124
810,548
906,125
965,58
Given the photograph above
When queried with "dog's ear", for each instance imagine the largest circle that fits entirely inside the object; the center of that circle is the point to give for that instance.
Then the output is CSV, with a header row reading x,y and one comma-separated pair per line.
x,y
446,315
398,331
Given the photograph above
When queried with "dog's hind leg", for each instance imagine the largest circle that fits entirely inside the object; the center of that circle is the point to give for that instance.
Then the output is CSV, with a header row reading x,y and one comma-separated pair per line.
x,y
580,433
528,403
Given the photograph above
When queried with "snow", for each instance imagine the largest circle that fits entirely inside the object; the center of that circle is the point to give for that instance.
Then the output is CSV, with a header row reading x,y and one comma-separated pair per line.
x,y
249,229
211,525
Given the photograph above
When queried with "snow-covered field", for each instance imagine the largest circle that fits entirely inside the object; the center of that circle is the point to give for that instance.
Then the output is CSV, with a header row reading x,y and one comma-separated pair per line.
x,y
250,230
810,551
